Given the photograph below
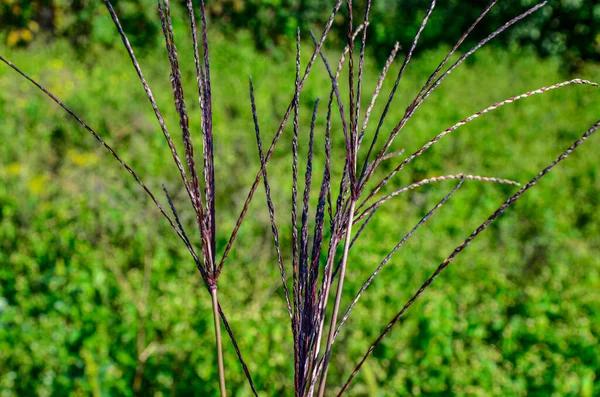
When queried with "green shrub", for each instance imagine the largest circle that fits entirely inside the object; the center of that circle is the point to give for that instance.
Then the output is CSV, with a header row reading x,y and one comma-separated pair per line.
x,y
569,29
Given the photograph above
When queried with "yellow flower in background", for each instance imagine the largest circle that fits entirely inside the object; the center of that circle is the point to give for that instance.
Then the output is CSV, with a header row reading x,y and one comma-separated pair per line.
x,y
26,35
56,63
82,158
13,169
33,26
21,103
37,183
14,36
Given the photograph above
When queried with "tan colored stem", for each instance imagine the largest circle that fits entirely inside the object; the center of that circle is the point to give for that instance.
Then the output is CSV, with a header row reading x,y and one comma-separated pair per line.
x,y
218,341
338,298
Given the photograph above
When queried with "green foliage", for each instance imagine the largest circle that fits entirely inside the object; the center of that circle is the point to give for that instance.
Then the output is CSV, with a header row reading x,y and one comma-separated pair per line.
x,y
95,288
82,22
569,29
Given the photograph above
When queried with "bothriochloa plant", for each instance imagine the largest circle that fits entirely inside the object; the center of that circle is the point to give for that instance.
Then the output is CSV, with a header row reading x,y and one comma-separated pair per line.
x,y
322,237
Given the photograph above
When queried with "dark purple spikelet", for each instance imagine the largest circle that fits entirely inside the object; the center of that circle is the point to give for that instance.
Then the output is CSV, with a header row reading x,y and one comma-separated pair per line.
x,y
270,204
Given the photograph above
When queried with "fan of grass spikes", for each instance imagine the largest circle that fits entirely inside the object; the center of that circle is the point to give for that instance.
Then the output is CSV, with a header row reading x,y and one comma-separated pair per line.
x,y
311,285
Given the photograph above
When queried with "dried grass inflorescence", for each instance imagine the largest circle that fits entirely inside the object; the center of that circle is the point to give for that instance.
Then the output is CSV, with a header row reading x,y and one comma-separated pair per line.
x,y
314,265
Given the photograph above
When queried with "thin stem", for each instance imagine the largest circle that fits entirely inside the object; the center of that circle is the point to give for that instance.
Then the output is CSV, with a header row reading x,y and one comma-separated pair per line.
x,y
326,286
218,341
237,351
338,298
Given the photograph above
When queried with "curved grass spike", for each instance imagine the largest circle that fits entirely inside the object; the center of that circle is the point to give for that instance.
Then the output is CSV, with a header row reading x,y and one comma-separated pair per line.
x,y
467,120
199,71
352,153
361,64
461,178
372,208
465,244
335,89
209,150
328,156
375,95
304,255
456,46
201,84
483,42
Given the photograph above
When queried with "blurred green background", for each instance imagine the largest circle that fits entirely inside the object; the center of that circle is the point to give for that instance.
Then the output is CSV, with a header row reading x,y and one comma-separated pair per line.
x,y
98,297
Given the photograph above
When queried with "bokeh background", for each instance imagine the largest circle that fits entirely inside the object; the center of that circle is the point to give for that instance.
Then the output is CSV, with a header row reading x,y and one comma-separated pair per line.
x,y
98,297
